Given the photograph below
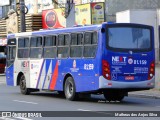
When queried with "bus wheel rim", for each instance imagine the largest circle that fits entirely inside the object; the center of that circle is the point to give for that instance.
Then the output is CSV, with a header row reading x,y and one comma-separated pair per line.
x,y
23,84
69,89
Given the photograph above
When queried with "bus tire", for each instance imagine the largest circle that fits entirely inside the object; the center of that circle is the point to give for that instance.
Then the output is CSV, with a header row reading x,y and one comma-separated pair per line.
x,y
119,98
70,89
114,96
24,90
108,96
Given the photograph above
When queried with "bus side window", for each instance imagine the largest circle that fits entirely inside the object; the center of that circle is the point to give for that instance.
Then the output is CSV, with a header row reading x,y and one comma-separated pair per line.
x,y
87,38
73,39
60,40
89,51
90,44
49,50
54,38
66,39
76,51
47,41
80,39
33,41
76,45
36,47
21,42
39,42
23,47
94,38
63,45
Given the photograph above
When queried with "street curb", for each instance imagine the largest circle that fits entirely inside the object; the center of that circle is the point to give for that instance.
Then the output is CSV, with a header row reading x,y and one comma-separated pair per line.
x,y
143,96
2,74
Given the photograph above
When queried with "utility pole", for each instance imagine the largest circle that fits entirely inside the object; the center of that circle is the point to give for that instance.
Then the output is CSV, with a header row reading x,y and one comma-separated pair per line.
x,y
70,13
22,16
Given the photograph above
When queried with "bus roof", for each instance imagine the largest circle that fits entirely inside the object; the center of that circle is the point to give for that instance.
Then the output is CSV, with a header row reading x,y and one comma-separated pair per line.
x,y
67,30
56,31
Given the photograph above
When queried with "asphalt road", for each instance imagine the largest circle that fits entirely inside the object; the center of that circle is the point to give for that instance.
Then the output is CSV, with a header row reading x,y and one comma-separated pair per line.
x,y
12,100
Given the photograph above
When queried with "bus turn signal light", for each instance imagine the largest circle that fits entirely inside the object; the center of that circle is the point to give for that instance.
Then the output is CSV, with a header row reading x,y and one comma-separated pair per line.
x,y
151,71
106,70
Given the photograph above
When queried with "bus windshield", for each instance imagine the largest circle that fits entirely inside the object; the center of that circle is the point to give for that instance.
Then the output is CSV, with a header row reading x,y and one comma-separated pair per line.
x,y
129,38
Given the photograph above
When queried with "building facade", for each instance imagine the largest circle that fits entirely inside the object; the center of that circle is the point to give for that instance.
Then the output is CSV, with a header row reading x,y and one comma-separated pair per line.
x,y
113,6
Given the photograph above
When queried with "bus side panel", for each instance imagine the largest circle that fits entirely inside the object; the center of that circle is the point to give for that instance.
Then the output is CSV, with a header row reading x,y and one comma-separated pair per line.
x,y
84,80
85,83
9,75
84,72
90,70
48,74
22,66
61,68
87,75
54,75
49,81
36,67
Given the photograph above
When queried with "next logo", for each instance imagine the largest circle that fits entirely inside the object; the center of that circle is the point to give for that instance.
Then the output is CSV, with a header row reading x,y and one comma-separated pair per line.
x,y
118,59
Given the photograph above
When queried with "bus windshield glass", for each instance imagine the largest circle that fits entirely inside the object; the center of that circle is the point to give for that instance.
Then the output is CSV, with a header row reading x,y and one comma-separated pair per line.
x,y
129,38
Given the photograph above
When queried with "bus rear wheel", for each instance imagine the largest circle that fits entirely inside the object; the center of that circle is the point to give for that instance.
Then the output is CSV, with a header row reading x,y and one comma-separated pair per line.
x,y
24,90
70,89
114,95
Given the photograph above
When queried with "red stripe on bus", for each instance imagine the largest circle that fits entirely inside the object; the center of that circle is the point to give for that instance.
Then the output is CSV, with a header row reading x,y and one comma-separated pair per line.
x,y
54,77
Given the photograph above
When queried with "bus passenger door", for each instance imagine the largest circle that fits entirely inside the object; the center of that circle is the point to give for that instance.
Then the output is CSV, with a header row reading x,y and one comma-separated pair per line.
x,y
11,53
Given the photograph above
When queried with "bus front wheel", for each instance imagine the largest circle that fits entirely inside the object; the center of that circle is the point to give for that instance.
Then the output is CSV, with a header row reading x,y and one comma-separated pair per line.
x,y
70,89
24,90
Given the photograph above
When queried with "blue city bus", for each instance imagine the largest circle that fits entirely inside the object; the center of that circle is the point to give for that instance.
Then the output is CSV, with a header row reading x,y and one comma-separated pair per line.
x,y
110,59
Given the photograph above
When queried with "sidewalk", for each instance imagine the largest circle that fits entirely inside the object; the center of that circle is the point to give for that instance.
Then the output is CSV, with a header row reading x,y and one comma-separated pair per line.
x,y
157,76
153,93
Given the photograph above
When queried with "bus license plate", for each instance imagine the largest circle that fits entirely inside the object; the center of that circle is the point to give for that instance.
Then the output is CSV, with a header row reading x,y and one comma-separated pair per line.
x,y
129,78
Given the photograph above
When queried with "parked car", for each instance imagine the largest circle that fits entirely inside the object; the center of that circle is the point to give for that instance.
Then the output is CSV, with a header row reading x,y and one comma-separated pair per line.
x,y
2,62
